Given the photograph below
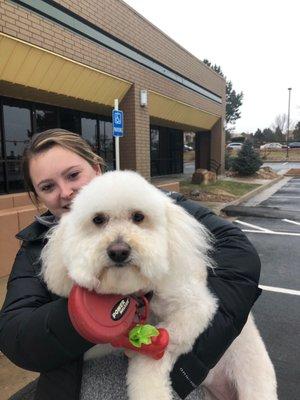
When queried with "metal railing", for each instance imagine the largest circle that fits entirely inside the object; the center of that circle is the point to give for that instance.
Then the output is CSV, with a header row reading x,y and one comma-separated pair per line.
x,y
214,165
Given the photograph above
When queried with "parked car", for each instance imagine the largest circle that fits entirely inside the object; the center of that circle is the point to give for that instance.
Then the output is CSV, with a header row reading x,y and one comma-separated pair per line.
x,y
234,145
271,146
187,148
294,145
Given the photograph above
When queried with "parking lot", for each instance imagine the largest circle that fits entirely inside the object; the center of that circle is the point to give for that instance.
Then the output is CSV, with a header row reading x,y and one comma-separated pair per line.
x,y
277,310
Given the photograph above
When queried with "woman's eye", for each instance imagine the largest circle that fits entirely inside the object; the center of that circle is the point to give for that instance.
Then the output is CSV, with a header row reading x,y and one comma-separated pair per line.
x,y
47,188
100,219
73,175
138,217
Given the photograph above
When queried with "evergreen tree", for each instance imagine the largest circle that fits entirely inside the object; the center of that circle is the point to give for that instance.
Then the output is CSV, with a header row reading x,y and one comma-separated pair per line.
x,y
227,135
278,135
297,132
268,135
247,161
234,100
258,137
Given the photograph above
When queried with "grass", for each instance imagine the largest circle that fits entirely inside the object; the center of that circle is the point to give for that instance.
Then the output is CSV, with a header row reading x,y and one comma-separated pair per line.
x,y
231,187
280,155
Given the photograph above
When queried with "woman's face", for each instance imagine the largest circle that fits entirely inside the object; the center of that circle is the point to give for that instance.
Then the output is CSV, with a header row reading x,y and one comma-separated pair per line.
x,y
57,175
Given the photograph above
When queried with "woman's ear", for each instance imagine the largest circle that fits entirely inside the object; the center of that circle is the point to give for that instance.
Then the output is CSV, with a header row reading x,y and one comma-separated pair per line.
x,y
97,169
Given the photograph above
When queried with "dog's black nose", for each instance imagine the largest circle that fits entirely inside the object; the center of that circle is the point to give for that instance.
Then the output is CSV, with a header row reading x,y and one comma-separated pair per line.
x,y
118,252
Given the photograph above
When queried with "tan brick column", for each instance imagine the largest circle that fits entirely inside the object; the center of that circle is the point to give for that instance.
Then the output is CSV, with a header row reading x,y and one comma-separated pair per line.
x,y
217,151
135,145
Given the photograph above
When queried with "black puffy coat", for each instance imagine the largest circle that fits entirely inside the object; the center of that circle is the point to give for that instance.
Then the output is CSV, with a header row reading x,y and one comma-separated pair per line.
x,y
36,332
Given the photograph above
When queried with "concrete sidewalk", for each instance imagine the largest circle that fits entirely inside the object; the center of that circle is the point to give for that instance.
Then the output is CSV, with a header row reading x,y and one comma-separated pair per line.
x,y
12,378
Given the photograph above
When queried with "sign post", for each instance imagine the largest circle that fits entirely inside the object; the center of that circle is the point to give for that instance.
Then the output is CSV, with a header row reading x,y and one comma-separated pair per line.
x,y
118,127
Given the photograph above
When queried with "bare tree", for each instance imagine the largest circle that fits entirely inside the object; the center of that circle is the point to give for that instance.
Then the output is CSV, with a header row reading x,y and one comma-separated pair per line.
x,y
281,124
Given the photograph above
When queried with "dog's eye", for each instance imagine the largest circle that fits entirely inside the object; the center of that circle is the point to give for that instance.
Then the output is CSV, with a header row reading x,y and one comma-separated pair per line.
x,y
99,219
137,217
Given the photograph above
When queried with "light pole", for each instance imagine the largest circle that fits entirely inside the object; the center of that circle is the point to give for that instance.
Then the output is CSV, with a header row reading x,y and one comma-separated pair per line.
x,y
288,124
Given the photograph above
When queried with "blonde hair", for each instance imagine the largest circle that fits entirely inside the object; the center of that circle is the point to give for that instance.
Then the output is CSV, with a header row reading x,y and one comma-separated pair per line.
x,y
45,140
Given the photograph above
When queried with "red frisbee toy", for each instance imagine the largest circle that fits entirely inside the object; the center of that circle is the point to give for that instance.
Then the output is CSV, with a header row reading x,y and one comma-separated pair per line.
x,y
114,319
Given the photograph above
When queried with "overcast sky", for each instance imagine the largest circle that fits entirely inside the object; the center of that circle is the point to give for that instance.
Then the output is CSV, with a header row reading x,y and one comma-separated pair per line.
x,y
256,43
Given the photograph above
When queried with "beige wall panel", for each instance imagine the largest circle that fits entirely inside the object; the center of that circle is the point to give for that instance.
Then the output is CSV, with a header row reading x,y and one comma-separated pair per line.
x,y
20,199
9,245
26,217
163,107
6,201
170,186
28,72
35,67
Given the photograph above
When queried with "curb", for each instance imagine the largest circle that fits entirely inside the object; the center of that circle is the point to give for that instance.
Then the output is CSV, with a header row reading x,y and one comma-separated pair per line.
x,y
254,192
265,212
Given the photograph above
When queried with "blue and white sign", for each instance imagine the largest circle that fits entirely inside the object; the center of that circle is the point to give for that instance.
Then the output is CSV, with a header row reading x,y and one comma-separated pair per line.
x,y
117,118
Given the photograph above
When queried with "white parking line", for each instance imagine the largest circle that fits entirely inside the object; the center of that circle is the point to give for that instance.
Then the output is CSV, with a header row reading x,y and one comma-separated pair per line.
x,y
280,196
290,221
280,290
272,233
253,226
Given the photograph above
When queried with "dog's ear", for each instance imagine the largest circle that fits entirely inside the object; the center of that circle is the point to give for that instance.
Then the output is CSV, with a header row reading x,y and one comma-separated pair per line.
x,y
54,272
189,240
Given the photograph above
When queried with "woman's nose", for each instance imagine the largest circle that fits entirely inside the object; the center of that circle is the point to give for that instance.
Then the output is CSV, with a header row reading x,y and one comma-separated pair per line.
x,y
66,192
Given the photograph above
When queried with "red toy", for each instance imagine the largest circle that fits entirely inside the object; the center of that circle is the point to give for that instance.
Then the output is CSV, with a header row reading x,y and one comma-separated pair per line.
x,y
117,320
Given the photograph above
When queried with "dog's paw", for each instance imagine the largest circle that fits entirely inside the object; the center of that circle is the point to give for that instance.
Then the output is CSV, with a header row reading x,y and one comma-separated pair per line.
x,y
148,392
84,280
148,379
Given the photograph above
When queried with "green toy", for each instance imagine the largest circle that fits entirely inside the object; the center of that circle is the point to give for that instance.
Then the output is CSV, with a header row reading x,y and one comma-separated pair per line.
x,y
142,334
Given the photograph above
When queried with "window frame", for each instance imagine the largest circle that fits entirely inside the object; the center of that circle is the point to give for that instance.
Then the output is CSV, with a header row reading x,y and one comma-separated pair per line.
x,y
33,106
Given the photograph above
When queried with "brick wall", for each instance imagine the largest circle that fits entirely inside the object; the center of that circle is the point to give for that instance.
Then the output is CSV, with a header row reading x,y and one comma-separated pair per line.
x,y
135,146
122,21
119,19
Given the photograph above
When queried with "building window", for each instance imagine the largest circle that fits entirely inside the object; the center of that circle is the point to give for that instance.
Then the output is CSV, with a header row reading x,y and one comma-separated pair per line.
x,y
154,151
166,146
20,119
106,141
2,185
69,120
18,129
45,118
89,131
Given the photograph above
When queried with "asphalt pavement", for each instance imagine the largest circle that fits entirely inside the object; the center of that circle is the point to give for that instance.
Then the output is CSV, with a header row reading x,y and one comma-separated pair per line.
x,y
281,201
287,198
277,241
278,166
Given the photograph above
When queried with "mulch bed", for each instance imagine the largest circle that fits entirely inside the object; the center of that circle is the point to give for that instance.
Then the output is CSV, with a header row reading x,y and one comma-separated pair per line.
x,y
209,197
293,172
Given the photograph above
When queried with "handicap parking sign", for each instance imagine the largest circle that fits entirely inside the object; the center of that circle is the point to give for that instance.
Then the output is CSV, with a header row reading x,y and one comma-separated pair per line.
x,y
117,118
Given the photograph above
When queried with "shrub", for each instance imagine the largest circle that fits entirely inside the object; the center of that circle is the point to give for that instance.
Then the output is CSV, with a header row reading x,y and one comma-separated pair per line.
x,y
228,161
247,161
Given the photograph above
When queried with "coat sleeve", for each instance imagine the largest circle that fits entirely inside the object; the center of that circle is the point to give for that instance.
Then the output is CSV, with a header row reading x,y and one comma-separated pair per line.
x,y
235,283
35,330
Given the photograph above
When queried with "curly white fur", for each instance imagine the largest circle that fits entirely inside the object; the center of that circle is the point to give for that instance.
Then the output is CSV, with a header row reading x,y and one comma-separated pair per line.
x,y
169,255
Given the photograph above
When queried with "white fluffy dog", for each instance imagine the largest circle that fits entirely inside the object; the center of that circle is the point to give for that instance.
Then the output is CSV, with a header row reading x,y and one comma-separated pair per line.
x,y
125,236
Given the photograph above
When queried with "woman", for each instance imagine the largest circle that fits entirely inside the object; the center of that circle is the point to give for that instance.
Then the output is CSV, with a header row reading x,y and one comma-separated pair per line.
x,y
35,330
